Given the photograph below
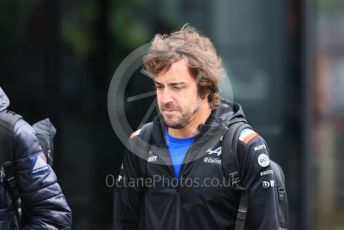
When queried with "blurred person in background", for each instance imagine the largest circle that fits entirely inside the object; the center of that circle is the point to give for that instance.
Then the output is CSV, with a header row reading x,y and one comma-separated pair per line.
x,y
25,176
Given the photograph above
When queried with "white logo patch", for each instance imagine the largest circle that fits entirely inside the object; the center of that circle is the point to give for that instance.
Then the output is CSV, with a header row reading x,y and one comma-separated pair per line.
x,y
267,172
263,160
152,159
272,183
267,184
218,151
211,160
259,147
39,165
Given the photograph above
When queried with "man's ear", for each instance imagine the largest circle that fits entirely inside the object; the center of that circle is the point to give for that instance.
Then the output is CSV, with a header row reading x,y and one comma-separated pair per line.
x,y
205,95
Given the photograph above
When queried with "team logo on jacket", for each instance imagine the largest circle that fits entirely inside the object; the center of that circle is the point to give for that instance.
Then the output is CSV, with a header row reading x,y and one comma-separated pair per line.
x,y
151,157
268,184
216,151
263,160
213,160
259,147
247,135
38,164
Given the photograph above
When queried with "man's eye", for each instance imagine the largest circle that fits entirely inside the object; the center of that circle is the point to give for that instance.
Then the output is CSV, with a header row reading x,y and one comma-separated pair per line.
x,y
158,86
177,87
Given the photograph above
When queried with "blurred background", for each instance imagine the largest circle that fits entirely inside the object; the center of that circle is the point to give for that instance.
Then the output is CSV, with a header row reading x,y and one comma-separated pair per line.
x,y
284,58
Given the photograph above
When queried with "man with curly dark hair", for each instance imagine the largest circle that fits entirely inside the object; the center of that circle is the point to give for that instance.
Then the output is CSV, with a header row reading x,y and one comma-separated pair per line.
x,y
182,171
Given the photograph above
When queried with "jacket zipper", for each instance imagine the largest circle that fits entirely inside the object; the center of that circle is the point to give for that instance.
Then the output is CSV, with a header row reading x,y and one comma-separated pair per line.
x,y
178,187
177,209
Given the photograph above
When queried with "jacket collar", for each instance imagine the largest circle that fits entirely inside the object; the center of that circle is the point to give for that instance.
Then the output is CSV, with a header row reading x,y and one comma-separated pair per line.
x,y
224,115
210,134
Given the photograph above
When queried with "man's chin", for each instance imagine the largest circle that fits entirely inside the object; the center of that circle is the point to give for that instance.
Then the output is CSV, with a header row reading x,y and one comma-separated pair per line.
x,y
174,124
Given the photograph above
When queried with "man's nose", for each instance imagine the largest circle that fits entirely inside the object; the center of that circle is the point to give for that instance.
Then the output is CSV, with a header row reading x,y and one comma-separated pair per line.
x,y
166,96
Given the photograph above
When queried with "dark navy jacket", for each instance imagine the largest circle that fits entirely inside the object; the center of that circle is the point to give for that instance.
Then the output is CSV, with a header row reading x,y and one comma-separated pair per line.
x,y
42,199
204,198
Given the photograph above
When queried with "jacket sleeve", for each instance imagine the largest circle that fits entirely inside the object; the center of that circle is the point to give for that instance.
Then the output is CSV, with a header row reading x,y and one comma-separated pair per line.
x,y
43,202
129,193
259,183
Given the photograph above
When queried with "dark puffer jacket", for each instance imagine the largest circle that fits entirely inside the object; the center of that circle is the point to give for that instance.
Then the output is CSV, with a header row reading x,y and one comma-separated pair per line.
x,y
43,202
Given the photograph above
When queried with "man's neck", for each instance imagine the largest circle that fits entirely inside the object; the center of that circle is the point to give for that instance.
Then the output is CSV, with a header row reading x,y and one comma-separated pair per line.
x,y
192,128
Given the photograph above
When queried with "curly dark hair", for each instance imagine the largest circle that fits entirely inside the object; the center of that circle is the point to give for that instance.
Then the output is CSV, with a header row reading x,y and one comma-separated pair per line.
x,y
198,51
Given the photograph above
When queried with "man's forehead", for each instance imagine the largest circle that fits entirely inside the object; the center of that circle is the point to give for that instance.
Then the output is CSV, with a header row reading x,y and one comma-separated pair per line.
x,y
177,73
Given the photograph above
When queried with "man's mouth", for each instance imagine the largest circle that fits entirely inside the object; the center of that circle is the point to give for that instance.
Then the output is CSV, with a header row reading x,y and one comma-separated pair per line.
x,y
169,111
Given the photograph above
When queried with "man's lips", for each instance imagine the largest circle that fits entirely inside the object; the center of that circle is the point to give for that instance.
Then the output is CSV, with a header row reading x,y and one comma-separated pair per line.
x,y
169,111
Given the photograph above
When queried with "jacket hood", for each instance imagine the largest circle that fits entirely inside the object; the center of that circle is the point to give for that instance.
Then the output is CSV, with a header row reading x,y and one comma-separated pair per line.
x,y
227,113
4,101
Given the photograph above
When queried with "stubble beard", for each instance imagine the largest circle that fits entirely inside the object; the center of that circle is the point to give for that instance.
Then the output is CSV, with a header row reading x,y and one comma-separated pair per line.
x,y
185,119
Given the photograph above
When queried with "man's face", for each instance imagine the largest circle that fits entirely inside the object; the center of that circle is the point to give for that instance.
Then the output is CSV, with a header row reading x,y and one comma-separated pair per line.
x,y
177,95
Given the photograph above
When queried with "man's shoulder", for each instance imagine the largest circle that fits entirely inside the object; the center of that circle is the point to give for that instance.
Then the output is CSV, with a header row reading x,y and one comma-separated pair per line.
x,y
249,137
252,145
9,118
135,134
143,130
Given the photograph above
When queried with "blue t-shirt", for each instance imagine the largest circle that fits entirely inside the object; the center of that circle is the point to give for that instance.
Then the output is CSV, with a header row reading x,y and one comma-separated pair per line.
x,y
178,148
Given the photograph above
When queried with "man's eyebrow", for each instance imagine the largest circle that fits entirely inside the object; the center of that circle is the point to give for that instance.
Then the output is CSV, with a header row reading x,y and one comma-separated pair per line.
x,y
157,83
171,84
177,83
